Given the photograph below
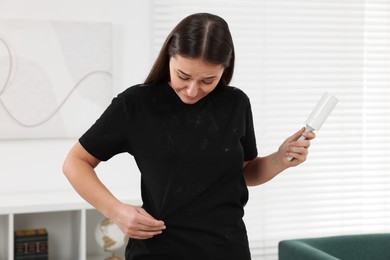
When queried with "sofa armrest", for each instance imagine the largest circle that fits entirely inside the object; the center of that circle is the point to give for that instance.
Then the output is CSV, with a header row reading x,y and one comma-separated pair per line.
x,y
293,250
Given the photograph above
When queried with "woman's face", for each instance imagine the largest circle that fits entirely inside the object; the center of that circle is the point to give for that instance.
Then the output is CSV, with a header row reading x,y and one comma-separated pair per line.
x,y
193,79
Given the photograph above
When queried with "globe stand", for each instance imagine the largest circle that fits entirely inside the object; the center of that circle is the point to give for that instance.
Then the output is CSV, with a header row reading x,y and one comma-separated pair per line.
x,y
114,257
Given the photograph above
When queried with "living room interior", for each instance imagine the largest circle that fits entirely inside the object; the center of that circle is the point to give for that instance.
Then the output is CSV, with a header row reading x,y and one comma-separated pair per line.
x,y
62,62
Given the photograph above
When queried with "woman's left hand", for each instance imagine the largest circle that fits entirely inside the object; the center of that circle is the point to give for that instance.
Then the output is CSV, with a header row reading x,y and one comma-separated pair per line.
x,y
297,149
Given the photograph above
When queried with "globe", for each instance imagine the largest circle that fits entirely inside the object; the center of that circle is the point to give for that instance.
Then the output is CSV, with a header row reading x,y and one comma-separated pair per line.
x,y
110,237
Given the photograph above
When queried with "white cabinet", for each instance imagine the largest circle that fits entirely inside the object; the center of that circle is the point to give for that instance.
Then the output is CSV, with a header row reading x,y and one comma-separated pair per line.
x,y
69,220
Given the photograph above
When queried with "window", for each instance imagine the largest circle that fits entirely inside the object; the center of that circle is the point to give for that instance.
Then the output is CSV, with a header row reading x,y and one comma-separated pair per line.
x,y
288,53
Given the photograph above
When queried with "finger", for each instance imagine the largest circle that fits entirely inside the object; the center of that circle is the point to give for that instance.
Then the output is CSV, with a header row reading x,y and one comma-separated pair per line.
x,y
143,234
300,144
295,136
143,212
309,135
297,158
145,231
141,238
151,224
146,220
140,232
150,228
298,152
302,150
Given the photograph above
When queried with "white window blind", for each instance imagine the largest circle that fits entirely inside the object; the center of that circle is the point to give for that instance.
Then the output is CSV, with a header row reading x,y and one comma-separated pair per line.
x,y
288,53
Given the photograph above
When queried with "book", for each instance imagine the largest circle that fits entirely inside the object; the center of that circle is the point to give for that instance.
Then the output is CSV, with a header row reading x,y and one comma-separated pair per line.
x,y
31,244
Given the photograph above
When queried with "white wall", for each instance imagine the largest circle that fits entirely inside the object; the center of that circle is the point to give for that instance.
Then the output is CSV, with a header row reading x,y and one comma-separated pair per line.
x,y
35,165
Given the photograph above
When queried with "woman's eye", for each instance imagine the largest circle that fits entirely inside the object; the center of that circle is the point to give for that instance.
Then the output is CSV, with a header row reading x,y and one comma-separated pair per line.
x,y
183,78
207,82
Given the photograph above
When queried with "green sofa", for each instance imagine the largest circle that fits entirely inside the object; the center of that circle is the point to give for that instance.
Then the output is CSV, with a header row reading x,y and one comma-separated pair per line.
x,y
350,247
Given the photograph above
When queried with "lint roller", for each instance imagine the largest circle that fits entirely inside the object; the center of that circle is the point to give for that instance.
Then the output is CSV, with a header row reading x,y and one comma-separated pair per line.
x,y
320,113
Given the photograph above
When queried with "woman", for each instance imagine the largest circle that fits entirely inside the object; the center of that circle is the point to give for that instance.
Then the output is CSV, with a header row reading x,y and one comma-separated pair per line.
x,y
193,140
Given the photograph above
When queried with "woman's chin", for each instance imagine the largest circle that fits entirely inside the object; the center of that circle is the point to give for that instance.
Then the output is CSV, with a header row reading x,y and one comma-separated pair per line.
x,y
188,100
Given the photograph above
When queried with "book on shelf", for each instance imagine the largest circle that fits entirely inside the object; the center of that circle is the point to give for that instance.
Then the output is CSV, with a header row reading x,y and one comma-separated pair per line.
x,y
31,244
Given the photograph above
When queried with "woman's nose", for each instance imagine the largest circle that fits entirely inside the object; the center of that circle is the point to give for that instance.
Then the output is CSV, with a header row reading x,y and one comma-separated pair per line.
x,y
192,89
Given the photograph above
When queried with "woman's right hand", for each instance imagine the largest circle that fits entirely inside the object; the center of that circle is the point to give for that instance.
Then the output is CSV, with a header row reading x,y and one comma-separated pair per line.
x,y
136,223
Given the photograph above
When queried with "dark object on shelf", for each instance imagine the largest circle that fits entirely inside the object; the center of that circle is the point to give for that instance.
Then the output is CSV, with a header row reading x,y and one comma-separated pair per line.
x,y
31,244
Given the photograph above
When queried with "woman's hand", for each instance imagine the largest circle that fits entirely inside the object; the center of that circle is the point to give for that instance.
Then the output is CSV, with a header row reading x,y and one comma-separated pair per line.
x,y
136,223
297,149
262,169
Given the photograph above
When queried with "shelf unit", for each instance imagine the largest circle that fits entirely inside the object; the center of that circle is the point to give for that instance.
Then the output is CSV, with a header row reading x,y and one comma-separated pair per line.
x,y
69,220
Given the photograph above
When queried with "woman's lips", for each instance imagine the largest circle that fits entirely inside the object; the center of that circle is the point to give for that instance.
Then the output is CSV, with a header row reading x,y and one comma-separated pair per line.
x,y
190,98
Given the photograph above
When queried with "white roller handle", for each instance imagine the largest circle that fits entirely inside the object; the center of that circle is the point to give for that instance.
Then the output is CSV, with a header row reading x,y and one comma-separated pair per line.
x,y
307,129
320,113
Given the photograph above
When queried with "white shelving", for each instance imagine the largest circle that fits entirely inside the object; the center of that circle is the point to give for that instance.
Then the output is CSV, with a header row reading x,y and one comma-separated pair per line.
x,y
69,220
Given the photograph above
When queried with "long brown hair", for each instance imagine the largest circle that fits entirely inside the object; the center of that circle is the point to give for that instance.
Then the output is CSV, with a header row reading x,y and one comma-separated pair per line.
x,y
202,35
